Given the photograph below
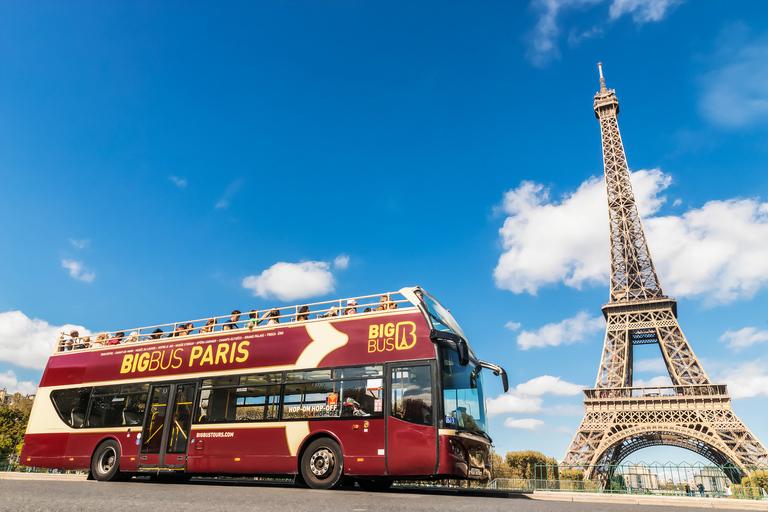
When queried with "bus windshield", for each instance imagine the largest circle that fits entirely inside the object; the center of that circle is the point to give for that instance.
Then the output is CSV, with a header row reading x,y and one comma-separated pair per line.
x,y
441,318
463,396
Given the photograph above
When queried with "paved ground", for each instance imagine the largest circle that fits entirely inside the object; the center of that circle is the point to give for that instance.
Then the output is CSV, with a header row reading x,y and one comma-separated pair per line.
x,y
77,495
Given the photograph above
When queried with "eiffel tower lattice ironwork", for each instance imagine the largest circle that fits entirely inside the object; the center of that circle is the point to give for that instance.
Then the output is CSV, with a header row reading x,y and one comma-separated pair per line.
x,y
620,419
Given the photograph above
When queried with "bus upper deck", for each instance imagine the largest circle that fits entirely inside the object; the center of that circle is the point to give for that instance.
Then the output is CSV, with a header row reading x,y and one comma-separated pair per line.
x,y
254,319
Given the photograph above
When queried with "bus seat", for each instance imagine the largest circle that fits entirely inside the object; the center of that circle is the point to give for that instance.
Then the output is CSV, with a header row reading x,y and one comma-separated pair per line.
x,y
77,417
131,418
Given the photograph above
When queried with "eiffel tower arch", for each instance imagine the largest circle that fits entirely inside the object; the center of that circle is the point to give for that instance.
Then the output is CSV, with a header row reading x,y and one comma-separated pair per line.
x,y
619,419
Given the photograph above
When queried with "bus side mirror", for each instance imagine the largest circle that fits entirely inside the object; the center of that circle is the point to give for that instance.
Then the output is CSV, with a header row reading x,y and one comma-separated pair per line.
x,y
497,370
463,350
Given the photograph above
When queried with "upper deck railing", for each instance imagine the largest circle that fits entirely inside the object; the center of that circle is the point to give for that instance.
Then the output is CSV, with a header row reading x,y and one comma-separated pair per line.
x,y
657,391
254,319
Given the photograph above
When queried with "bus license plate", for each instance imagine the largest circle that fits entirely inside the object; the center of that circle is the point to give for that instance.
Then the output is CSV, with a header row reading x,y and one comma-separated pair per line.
x,y
475,472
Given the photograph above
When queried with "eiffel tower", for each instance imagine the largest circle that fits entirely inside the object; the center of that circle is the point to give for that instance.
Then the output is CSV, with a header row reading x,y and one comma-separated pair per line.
x,y
620,419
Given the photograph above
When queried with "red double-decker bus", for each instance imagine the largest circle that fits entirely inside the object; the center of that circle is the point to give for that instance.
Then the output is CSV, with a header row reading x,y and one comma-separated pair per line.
x,y
379,388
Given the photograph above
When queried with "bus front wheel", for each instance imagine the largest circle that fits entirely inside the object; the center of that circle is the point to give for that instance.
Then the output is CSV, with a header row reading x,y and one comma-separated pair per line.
x,y
322,465
105,465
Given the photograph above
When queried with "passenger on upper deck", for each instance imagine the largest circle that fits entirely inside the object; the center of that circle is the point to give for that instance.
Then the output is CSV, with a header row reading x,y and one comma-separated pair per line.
x,y
303,314
232,324
156,334
334,311
209,326
351,307
101,340
386,303
271,317
83,342
117,339
133,337
251,323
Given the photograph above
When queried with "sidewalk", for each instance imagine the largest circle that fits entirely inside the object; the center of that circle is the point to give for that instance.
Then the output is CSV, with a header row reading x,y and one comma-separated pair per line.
x,y
668,501
23,475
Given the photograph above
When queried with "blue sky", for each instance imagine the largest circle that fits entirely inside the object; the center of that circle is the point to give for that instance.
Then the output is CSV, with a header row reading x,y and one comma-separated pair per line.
x,y
162,162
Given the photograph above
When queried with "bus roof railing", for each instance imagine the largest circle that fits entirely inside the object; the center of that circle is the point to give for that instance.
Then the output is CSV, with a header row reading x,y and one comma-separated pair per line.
x,y
254,319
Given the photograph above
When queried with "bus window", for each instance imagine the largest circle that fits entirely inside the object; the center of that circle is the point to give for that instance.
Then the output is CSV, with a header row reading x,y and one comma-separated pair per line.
x,y
310,375
117,407
246,403
71,404
412,394
311,400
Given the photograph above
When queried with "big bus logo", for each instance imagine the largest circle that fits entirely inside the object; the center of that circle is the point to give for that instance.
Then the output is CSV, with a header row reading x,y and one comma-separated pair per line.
x,y
389,337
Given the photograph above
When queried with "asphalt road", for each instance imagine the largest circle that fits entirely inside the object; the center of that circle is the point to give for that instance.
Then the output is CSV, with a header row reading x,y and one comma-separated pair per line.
x,y
81,496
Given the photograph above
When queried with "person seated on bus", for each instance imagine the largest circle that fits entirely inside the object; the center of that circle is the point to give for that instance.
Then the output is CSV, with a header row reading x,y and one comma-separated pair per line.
x,y
232,324
185,329
118,339
303,314
351,307
209,326
271,317
83,342
252,319
367,310
132,338
101,340
383,303
156,335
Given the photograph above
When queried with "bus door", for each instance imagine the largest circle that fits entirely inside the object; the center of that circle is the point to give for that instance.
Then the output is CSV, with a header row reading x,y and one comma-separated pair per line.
x,y
411,422
165,437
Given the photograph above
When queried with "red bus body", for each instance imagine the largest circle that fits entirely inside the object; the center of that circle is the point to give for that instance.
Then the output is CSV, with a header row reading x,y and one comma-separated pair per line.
x,y
376,444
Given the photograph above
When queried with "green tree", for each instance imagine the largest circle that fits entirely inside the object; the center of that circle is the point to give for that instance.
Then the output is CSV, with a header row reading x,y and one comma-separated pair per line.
x,y
523,465
499,466
13,424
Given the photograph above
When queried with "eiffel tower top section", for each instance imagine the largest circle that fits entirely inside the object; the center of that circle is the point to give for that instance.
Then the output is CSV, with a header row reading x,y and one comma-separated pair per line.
x,y
633,276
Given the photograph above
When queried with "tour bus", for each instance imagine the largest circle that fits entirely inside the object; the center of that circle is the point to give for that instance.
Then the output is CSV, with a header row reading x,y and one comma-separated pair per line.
x,y
379,388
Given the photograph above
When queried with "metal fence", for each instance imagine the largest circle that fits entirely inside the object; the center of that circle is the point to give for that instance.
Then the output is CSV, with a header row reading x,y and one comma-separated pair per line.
x,y
661,479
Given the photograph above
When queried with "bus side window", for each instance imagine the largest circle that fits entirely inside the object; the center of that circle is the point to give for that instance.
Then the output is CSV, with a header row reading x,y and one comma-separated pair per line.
x,y
412,394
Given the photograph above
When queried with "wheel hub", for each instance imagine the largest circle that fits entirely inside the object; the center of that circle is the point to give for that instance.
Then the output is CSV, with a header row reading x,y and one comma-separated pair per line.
x,y
321,462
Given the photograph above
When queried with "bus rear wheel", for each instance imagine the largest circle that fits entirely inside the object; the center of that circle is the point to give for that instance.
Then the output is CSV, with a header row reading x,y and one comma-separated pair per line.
x,y
322,465
105,464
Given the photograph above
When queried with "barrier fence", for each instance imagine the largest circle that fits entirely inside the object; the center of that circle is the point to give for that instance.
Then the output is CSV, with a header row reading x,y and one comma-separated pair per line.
x,y
662,479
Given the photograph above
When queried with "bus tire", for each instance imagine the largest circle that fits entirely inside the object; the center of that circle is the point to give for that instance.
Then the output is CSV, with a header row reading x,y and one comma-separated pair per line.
x,y
322,465
374,484
105,464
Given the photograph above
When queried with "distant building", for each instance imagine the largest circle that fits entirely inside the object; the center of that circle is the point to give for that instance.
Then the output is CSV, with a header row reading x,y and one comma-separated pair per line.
x,y
712,478
639,477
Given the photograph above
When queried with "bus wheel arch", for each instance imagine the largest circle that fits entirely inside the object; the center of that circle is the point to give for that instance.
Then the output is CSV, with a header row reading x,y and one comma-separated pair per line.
x,y
105,461
321,462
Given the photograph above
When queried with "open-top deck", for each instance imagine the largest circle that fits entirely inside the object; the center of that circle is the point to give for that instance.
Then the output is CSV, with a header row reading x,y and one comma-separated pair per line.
x,y
250,320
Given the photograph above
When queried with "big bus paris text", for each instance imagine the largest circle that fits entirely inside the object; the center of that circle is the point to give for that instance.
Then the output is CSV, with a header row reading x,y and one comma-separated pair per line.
x,y
326,392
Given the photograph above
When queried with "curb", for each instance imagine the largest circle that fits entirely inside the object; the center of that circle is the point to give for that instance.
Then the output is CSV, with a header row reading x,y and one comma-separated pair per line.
x,y
668,501
20,475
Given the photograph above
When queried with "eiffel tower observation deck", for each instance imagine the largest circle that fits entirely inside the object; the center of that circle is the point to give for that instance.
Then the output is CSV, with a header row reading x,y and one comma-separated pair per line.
x,y
692,413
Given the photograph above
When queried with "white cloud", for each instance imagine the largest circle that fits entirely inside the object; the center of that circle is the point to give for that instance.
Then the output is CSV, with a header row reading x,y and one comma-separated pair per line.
x,y
78,271
746,381
735,93
80,244
565,332
642,11
510,402
292,281
9,382
341,262
658,381
548,384
513,326
743,338
29,342
718,251
655,365
179,182
543,38
525,398
525,423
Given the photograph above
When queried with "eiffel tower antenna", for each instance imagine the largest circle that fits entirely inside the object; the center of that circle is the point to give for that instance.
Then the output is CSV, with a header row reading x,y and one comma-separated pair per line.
x,y
620,419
